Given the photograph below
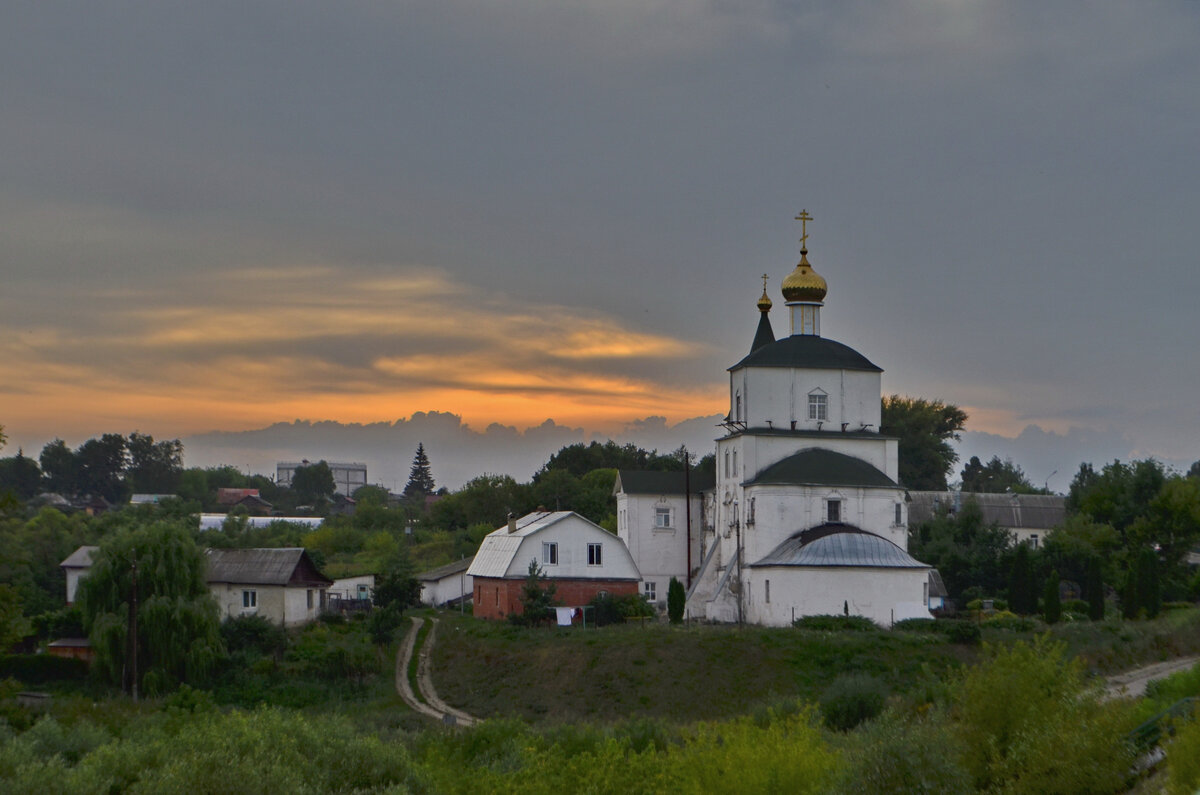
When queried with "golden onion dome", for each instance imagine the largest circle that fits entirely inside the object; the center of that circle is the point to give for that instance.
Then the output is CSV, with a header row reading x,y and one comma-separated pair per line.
x,y
804,283
764,303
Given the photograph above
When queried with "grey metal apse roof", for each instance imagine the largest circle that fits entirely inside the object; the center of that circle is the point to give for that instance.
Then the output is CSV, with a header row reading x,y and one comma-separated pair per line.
x,y
840,545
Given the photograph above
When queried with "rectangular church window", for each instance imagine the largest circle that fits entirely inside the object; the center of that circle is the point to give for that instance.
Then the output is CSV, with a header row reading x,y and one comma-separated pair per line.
x,y
818,407
833,511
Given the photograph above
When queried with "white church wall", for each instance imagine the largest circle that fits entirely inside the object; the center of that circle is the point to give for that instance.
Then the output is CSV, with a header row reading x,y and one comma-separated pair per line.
x,y
882,595
777,396
779,512
659,552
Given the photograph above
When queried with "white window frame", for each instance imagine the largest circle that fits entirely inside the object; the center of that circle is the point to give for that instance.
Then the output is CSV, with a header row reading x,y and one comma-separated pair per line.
x,y
549,553
595,554
250,599
818,406
1033,540
663,517
650,590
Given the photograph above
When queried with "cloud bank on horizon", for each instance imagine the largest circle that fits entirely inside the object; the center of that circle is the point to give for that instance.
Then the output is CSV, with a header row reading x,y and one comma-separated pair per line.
x,y
218,216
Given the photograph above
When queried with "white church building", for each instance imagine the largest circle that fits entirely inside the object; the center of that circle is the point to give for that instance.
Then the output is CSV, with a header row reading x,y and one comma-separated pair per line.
x,y
807,515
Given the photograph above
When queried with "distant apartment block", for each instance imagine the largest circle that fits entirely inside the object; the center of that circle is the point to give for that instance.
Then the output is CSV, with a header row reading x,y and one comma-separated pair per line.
x,y
347,477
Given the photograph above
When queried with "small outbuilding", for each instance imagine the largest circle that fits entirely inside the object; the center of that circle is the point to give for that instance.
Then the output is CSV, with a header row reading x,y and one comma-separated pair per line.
x,y
448,584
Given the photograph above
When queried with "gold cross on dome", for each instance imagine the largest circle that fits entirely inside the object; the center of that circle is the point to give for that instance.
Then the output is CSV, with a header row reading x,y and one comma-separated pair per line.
x,y
764,283
804,218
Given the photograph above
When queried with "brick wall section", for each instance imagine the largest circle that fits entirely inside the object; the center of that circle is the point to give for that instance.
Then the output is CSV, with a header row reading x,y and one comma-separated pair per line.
x,y
496,598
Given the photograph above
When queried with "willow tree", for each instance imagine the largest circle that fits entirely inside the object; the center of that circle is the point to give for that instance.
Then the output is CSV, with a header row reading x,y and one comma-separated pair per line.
x,y
151,576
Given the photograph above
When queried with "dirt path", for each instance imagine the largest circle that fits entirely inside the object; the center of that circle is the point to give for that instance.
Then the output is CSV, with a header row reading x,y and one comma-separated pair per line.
x,y
1132,684
432,706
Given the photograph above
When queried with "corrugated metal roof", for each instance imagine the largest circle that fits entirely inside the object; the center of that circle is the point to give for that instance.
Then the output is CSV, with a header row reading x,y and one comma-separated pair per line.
x,y
840,545
821,467
447,570
80,558
1016,511
936,586
499,546
284,566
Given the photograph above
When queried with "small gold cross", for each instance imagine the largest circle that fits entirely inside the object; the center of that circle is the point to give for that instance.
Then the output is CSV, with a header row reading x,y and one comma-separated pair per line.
x,y
804,218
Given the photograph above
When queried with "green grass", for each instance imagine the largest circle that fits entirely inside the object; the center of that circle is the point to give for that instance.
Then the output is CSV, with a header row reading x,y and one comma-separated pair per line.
x,y
707,672
414,660
674,673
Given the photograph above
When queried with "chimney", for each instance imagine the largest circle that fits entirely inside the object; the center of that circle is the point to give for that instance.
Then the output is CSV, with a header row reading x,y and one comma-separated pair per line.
x,y
512,523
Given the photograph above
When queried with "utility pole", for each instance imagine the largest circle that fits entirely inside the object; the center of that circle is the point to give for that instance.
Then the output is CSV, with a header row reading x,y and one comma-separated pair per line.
x,y
132,632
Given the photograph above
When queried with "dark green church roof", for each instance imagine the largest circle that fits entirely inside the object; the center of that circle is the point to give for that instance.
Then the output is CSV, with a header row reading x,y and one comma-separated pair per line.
x,y
820,467
810,351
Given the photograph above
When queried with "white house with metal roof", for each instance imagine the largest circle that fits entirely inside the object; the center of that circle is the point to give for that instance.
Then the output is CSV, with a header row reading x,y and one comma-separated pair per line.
x,y
581,558
1028,518
809,516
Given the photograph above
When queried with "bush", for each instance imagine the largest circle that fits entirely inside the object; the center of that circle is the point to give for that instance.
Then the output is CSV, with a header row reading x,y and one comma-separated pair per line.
x,y
255,634
852,699
896,755
997,603
964,632
1079,606
608,609
836,623
1028,723
38,669
916,625
1183,760
1011,622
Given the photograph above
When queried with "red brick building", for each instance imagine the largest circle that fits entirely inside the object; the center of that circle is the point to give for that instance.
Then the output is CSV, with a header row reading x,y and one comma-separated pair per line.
x,y
582,559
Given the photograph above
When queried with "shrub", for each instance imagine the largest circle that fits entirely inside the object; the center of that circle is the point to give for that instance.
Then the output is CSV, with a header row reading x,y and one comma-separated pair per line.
x,y
852,699
896,755
676,600
255,634
1052,607
964,632
38,669
1029,724
836,623
1079,606
1183,760
916,625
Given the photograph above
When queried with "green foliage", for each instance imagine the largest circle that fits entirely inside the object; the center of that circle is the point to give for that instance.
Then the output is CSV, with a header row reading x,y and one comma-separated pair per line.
x,y
313,483
254,634
852,699
334,652
1028,723
38,669
1051,603
676,599
898,755
925,428
396,586
1022,596
420,480
969,553
579,459
996,477
1148,592
836,623
1094,588
154,467
383,623
1183,760
178,638
537,598
487,500
20,474
608,609
13,624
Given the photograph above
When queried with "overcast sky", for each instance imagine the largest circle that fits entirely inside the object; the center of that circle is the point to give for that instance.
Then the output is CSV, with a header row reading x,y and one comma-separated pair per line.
x,y
221,215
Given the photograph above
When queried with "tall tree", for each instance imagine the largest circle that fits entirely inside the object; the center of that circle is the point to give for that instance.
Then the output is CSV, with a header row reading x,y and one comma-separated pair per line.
x,y
151,576
60,468
313,483
1051,602
101,465
971,555
420,479
925,429
21,474
1095,590
995,477
154,467
1022,596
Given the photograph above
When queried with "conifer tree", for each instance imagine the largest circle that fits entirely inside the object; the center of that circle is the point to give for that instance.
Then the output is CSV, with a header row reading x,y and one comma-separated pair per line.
x,y
676,598
1051,603
420,480
1022,598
